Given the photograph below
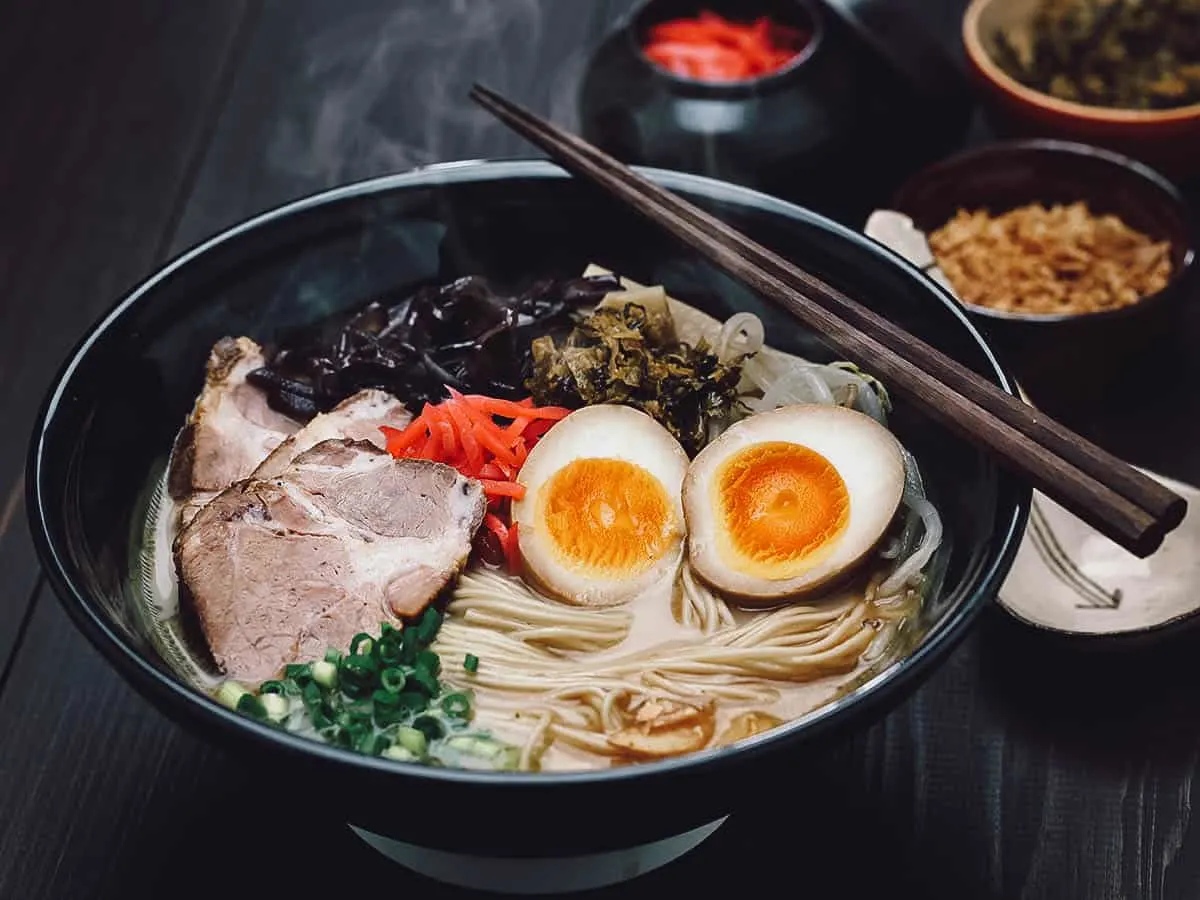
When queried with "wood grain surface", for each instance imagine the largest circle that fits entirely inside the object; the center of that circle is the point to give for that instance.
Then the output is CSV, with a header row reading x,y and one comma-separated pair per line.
x,y
135,129
106,111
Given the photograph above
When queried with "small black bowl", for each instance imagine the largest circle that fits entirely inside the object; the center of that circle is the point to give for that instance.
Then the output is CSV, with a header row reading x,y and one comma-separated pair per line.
x,y
1067,360
110,417
831,130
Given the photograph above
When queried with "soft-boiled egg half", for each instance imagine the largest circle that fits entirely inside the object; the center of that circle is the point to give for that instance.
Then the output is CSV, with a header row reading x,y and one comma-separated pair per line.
x,y
787,501
602,516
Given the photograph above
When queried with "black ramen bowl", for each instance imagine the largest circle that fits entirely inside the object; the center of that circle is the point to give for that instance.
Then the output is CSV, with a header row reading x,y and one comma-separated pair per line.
x,y
110,417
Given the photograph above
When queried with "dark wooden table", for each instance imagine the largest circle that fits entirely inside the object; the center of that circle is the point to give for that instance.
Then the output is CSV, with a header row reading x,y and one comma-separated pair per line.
x,y
132,130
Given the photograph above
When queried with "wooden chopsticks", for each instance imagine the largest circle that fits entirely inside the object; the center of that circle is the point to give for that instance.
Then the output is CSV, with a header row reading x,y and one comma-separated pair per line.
x,y
1121,502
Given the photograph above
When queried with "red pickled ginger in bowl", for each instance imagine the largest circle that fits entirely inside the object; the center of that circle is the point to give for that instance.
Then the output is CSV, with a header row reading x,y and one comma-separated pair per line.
x,y
712,48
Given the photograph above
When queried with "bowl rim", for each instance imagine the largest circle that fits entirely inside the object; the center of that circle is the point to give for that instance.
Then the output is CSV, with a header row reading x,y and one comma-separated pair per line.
x,y
1149,177
979,56
185,701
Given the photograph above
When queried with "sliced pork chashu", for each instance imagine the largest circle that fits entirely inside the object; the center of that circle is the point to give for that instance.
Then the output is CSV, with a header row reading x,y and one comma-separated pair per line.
x,y
229,432
345,538
356,418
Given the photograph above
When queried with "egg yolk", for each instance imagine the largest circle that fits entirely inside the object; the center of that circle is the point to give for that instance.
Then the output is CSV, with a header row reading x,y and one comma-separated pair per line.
x,y
606,516
781,506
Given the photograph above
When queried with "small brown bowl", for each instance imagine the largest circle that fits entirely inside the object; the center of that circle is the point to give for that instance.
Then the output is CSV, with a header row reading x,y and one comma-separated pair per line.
x,y
1071,355
1168,139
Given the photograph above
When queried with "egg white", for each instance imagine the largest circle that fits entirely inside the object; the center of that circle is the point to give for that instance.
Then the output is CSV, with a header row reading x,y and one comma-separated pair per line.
x,y
865,454
604,431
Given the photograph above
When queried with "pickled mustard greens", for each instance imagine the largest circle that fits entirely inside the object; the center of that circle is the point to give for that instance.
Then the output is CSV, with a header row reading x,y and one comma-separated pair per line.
x,y
618,355
1123,54
384,697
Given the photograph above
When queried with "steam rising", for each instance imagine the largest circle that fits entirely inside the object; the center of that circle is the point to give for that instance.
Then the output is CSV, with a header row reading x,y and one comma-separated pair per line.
x,y
379,93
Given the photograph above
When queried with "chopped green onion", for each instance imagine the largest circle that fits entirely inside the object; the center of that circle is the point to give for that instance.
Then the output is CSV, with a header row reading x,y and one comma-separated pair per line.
x,y
389,650
431,621
386,716
427,659
372,744
467,743
509,759
230,693
413,740
355,729
361,665
413,702
392,680
325,673
409,646
383,697
251,706
355,689
386,708
311,694
501,756
357,675
360,708
276,706
331,705
475,745
424,680
432,728
457,705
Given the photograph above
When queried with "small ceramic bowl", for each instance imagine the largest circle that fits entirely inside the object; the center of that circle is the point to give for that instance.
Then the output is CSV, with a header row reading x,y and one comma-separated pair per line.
x,y
1068,356
793,133
1167,139
1072,582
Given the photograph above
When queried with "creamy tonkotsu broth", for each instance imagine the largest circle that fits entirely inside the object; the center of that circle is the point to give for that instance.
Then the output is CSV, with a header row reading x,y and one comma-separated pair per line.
x,y
593,576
